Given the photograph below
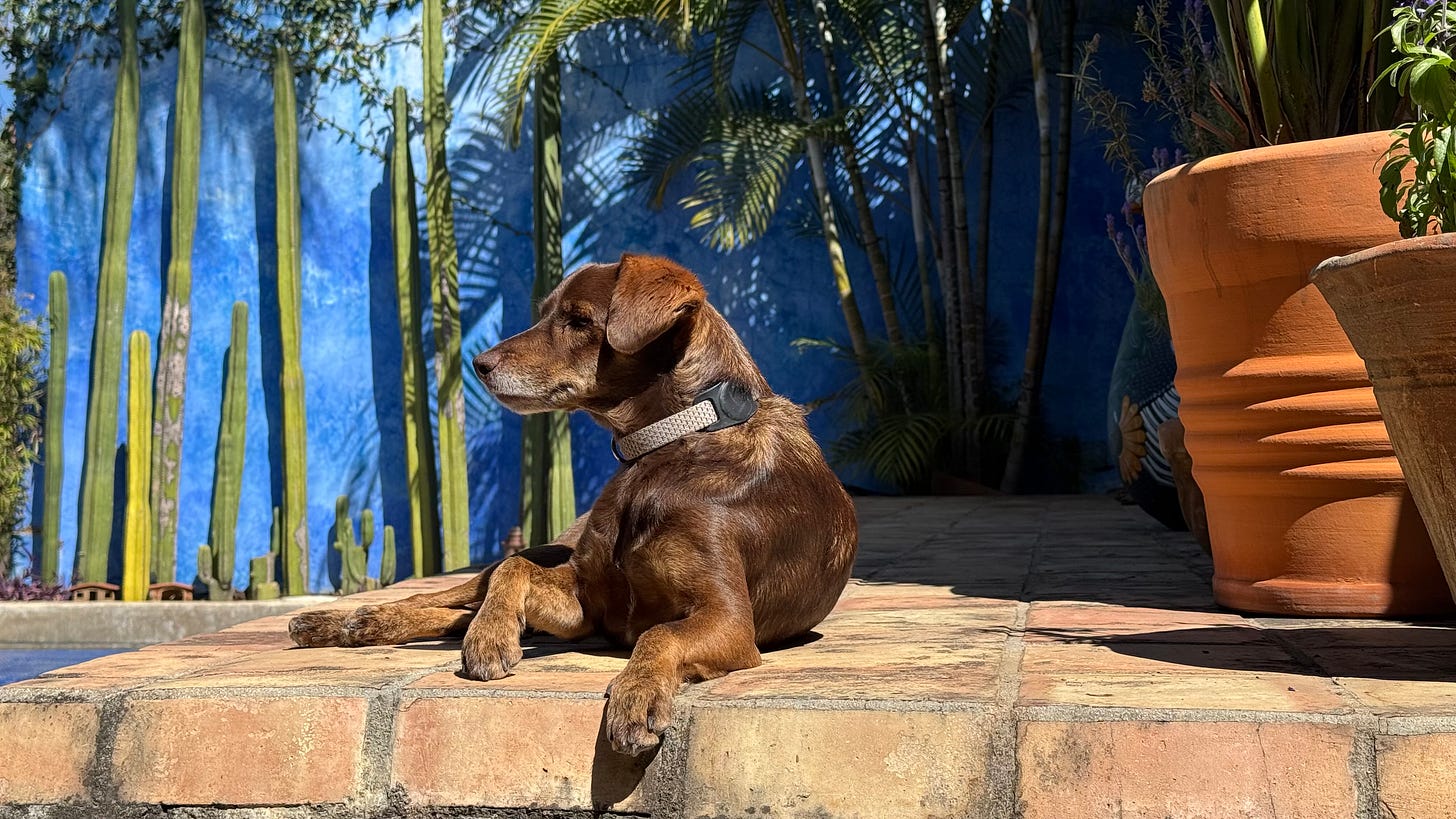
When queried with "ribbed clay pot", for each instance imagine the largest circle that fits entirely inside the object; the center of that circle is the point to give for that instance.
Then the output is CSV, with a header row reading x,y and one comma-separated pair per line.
x,y
1397,303
1308,511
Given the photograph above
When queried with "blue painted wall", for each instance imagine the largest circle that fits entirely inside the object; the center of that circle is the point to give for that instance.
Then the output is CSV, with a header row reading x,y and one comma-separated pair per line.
x,y
773,292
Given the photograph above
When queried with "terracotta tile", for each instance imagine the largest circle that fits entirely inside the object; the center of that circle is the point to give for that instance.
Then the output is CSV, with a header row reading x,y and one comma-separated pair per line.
x,y
844,763
1076,621
922,654
368,667
513,753
1178,770
130,669
1216,692
208,751
1415,775
1402,697
46,748
1137,657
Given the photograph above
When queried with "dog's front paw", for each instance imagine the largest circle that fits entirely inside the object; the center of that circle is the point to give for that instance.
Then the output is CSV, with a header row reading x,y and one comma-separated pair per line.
x,y
639,709
490,650
313,629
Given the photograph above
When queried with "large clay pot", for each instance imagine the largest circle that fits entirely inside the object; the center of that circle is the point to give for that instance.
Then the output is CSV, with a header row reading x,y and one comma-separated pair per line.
x,y
1308,512
1397,303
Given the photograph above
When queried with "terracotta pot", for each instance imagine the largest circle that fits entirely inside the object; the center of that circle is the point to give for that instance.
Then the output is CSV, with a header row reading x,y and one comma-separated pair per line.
x,y
1397,303
1308,512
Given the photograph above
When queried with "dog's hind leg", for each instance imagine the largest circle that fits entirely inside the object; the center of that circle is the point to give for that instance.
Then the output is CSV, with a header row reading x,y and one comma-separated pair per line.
x,y
377,626
448,612
522,593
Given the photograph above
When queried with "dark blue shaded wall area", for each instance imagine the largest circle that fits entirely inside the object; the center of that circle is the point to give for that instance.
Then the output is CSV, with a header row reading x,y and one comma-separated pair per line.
x,y
773,292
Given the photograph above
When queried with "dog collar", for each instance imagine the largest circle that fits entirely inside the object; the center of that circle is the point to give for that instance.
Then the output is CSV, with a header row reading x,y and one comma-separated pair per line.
x,y
725,404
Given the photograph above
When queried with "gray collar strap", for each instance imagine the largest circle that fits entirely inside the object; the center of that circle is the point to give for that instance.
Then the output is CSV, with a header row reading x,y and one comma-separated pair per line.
x,y
722,405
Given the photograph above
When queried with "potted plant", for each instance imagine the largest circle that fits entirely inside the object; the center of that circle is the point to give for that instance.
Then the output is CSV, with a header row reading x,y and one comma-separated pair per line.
x,y
1308,510
1397,301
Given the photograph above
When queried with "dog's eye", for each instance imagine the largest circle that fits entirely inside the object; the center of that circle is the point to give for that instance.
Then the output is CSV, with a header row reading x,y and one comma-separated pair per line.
x,y
578,322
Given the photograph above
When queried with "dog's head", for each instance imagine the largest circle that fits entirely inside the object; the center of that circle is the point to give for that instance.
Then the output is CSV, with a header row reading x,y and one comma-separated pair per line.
x,y
606,333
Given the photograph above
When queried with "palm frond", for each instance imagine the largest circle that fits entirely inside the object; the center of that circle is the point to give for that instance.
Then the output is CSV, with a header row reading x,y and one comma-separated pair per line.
x,y
740,148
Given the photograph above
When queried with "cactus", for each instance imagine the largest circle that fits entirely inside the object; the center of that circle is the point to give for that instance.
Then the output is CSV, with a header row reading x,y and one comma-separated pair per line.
x,y
98,479
261,585
419,443
177,308
227,475
294,555
136,573
548,498
207,573
387,571
58,316
444,272
353,555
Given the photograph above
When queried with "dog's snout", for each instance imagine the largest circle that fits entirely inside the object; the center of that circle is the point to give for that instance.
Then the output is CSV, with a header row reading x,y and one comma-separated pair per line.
x,y
485,362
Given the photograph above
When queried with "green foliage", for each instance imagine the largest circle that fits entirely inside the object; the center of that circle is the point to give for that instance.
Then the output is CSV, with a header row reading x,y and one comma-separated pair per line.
x,y
98,469
58,317
899,412
294,555
227,475
20,350
1418,179
136,573
176,332
329,39
739,147
1297,70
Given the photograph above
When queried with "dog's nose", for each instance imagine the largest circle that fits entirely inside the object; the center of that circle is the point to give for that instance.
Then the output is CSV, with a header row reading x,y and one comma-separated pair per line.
x,y
485,362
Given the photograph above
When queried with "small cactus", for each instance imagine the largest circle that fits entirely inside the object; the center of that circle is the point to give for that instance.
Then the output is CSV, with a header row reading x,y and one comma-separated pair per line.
x,y
387,572
261,582
353,555
206,561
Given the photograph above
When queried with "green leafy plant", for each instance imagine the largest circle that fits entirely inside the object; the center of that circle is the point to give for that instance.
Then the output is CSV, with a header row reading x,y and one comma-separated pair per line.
x,y
1418,179
1294,70
899,411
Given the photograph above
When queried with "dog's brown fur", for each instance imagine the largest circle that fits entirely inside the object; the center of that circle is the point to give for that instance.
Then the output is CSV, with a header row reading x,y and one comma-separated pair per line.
x,y
696,554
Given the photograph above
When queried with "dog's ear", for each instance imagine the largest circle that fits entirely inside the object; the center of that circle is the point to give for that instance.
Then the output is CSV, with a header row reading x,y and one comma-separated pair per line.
x,y
652,295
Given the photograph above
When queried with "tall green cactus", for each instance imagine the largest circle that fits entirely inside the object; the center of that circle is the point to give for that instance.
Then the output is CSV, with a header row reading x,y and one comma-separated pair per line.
x,y
136,572
353,555
548,499
419,446
261,585
58,316
387,572
98,478
444,270
227,474
294,571
177,307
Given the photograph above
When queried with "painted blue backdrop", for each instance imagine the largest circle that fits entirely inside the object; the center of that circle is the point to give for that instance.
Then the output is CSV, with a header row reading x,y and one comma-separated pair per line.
x,y
773,292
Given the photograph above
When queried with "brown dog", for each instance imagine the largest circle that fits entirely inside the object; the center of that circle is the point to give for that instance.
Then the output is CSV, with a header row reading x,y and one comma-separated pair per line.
x,y
696,553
